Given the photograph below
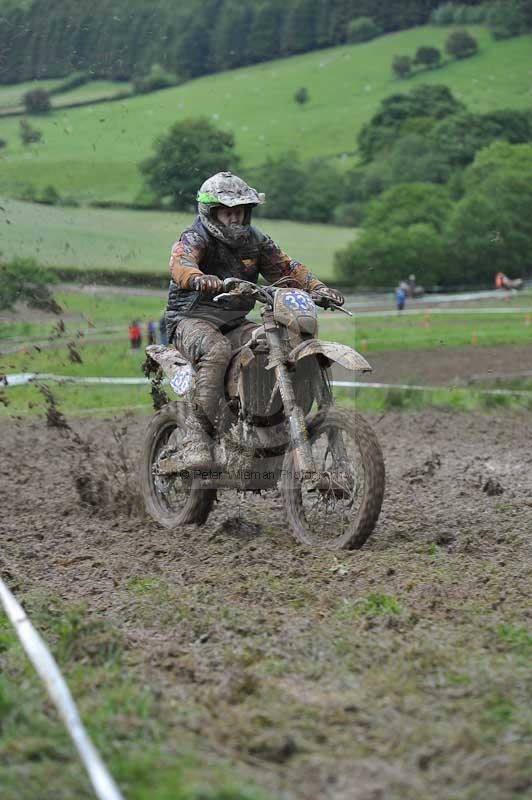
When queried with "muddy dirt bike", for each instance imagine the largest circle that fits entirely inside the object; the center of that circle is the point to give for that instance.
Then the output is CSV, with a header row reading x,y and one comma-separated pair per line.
x,y
279,426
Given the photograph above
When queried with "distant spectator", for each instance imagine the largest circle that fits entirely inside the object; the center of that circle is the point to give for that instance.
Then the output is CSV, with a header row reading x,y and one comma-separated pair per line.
x,y
163,338
400,297
502,281
135,336
152,336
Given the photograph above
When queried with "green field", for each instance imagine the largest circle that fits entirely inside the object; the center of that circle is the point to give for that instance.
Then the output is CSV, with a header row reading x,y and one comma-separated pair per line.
x,y
97,325
91,153
139,241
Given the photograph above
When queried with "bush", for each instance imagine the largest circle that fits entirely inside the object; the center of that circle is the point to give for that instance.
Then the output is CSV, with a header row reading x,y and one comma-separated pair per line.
x,y
3,143
22,279
50,196
428,57
460,44
157,78
28,134
301,96
362,29
37,101
382,258
402,66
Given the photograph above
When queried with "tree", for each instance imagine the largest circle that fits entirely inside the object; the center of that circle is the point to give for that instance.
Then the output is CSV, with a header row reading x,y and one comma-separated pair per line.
x,y
444,14
506,20
37,101
498,157
362,29
414,158
409,204
431,102
301,96
157,78
490,229
427,57
28,134
402,66
460,44
190,152
302,191
382,258
460,136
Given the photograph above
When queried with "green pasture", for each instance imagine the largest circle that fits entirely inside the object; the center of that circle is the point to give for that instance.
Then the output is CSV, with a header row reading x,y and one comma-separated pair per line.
x,y
91,153
453,398
96,328
138,241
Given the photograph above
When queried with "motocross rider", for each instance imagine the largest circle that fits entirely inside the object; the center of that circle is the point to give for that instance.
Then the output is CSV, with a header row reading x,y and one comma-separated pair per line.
x,y
220,243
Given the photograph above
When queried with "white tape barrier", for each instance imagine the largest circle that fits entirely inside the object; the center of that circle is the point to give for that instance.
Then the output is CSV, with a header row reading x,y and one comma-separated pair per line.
x,y
368,385
28,377
36,650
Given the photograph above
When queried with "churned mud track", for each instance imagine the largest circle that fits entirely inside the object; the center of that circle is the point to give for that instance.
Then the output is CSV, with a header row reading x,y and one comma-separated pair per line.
x,y
397,671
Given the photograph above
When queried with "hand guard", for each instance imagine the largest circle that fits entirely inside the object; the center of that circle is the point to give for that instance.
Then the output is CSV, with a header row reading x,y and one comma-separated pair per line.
x,y
326,291
206,284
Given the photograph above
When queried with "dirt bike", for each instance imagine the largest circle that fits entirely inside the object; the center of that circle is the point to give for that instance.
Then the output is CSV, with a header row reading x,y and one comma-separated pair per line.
x,y
279,426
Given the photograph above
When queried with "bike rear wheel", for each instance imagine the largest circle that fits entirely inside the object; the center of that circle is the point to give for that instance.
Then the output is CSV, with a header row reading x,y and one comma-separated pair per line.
x,y
170,499
342,513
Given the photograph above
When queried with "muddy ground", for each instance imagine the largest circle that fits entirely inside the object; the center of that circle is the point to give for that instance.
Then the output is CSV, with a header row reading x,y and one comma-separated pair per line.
x,y
398,671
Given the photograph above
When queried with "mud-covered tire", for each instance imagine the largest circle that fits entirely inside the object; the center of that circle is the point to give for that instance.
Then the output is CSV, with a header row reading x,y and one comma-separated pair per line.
x,y
365,516
195,502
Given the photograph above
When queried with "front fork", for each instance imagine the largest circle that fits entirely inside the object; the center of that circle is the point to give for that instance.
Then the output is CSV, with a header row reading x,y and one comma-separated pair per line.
x,y
299,437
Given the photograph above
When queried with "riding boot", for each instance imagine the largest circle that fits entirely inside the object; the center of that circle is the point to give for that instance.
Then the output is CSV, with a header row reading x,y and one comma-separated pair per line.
x,y
194,448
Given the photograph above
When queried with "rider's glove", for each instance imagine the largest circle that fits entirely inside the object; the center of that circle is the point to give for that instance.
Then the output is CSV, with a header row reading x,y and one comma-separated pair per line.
x,y
326,291
207,284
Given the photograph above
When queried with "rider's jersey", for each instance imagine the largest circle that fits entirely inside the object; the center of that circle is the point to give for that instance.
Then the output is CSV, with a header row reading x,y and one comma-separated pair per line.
x,y
198,252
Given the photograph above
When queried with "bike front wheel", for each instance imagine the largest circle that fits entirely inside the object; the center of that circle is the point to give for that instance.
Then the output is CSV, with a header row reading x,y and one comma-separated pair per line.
x,y
339,506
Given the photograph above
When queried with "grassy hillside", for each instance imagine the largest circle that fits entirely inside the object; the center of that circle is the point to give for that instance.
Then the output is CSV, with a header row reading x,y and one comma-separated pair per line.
x,y
92,153
136,240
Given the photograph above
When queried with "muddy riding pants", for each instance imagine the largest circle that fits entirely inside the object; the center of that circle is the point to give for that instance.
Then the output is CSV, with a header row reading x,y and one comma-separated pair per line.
x,y
210,350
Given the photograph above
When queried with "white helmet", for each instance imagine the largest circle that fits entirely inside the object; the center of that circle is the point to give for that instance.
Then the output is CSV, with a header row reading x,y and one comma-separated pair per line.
x,y
226,189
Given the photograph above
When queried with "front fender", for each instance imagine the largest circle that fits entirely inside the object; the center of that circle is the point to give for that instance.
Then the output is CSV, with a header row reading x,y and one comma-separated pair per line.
x,y
334,352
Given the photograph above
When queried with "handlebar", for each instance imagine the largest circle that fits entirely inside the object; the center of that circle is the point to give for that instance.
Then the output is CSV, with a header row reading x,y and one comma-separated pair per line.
x,y
235,287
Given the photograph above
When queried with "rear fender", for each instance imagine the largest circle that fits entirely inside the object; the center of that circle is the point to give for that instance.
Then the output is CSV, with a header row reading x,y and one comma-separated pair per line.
x,y
180,372
340,354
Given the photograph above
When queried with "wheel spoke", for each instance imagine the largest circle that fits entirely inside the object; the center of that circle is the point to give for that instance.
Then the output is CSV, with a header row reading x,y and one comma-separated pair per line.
x,y
341,508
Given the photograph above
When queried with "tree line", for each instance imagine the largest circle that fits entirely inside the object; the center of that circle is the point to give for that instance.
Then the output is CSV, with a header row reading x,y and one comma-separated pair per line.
x,y
123,39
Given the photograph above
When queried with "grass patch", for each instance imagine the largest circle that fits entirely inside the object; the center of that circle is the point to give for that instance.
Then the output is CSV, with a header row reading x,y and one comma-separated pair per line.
x,y
374,605
519,639
123,716
139,241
